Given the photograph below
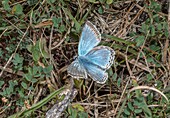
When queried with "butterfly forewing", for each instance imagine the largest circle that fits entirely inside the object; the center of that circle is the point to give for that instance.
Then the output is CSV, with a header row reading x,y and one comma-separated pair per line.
x,y
102,56
90,38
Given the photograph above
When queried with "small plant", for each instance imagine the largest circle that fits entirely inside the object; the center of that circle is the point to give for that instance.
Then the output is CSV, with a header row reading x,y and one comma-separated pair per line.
x,y
38,73
38,50
18,62
77,111
137,107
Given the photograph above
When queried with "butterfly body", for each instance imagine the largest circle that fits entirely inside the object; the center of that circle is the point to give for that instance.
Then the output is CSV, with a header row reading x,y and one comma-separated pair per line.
x,y
92,60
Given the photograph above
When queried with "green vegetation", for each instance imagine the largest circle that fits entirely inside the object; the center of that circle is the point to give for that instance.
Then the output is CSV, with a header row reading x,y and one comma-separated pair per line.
x,y
39,38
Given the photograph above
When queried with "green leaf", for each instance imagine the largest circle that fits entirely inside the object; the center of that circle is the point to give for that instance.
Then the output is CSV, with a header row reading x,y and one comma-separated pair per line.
x,y
74,113
30,88
8,91
29,48
119,81
6,5
137,111
92,1
52,1
30,71
100,10
139,104
78,107
152,29
154,47
32,2
17,59
38,75
45,54
130,106
34,80
110,72
151,60
56,21
2,93
154,5
36,55
28,77
36,52
83,115
1,52
127,112
48,69
1,83
35,70
166,33
140,40
149,77
62,28
13,83
102,1
109,2
147,111
69,110
114,77
159,26
43,50
24,85
21,93
144,28
17,9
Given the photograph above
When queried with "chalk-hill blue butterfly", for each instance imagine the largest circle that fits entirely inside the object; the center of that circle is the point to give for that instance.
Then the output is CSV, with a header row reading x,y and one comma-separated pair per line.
x,y
92,60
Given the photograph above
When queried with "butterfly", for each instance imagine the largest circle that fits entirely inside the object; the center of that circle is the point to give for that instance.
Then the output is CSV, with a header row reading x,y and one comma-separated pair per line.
x,y
92,60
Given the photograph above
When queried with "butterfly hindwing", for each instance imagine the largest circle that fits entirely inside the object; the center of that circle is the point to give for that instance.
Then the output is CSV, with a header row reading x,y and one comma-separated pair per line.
x,y
90,38
76,70
94,71
102,56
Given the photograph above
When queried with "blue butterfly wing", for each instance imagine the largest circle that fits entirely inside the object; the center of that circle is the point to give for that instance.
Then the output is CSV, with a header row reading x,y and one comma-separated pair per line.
x,y
90,38
102,56
76,70
94,71
92,60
